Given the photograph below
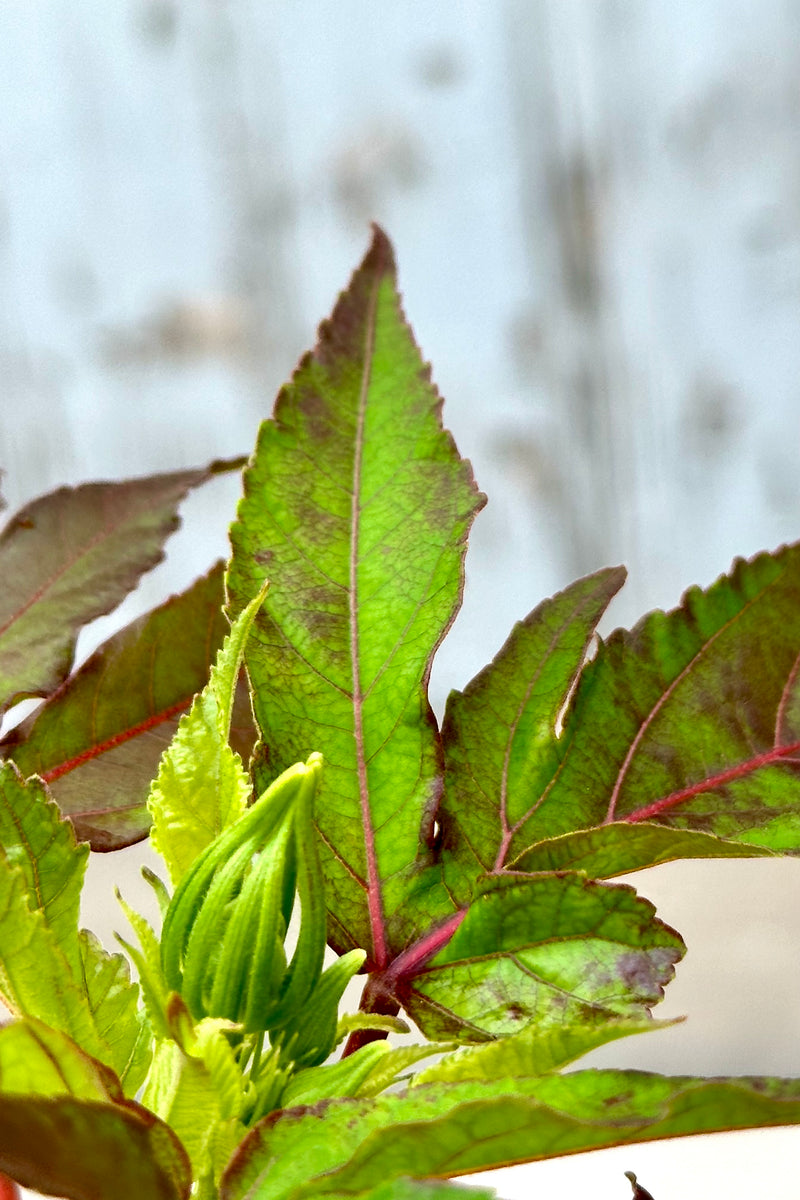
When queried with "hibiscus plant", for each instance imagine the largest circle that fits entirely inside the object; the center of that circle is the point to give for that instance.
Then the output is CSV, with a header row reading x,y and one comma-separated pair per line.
x,y
270,731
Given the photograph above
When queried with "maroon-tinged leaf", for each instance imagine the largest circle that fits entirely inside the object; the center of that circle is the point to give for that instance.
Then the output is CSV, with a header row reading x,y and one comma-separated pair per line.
x,y
67,1129
619,848
356,508
687,728
639,1192
545,951
690,720
98,740
71,556
83,1150
500,734
37,1060
448,1129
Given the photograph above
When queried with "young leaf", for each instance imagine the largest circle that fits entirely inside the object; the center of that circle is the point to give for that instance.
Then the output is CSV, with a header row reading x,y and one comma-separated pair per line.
x,y
335,1079
43,846
201,787
113,1000
548,950
395,1060
356,509
184,1093
446,1129
98,740
71,556
147,960
40,1061
35,976
66,979
36,980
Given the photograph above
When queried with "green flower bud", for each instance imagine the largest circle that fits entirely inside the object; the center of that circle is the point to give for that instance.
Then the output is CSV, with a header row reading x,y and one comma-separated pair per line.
x,y
309,1037
222,942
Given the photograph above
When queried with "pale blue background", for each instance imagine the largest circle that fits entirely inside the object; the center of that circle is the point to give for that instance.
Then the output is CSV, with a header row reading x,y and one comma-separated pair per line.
x,y
595,210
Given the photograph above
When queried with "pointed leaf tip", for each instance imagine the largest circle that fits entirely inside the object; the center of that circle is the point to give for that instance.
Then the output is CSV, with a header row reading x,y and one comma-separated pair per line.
x,y
357,507
380,255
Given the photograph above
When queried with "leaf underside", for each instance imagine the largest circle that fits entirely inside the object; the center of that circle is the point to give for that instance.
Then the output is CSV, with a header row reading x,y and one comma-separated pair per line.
x,y
356,509
98,740
73,1148
71,556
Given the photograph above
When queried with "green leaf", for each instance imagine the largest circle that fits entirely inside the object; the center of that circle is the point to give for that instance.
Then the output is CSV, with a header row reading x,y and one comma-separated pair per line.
x,y
332,1080
447,1129
121,1025
356,508
619,848
185,1092
201,787
368,1071
419,1189
689,722
397,1059
43,846
500,734
356,1022
147,959
71,556
66,1129
535,1050
56,974
39,1061
97,742
35,977
550,950
36,981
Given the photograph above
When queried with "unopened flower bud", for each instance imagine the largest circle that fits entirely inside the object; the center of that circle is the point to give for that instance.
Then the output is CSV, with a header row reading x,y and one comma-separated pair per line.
x,y
222,942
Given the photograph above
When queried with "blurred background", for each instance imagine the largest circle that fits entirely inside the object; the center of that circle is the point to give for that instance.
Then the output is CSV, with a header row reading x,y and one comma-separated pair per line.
x,y
595,206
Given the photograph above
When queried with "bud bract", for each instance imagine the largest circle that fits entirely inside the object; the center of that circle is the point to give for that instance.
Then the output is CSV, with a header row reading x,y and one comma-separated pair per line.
x,y
309,1037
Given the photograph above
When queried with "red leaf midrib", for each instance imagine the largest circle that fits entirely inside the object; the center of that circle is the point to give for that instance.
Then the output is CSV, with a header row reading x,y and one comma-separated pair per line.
x,y
117,739
374,899
776,755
